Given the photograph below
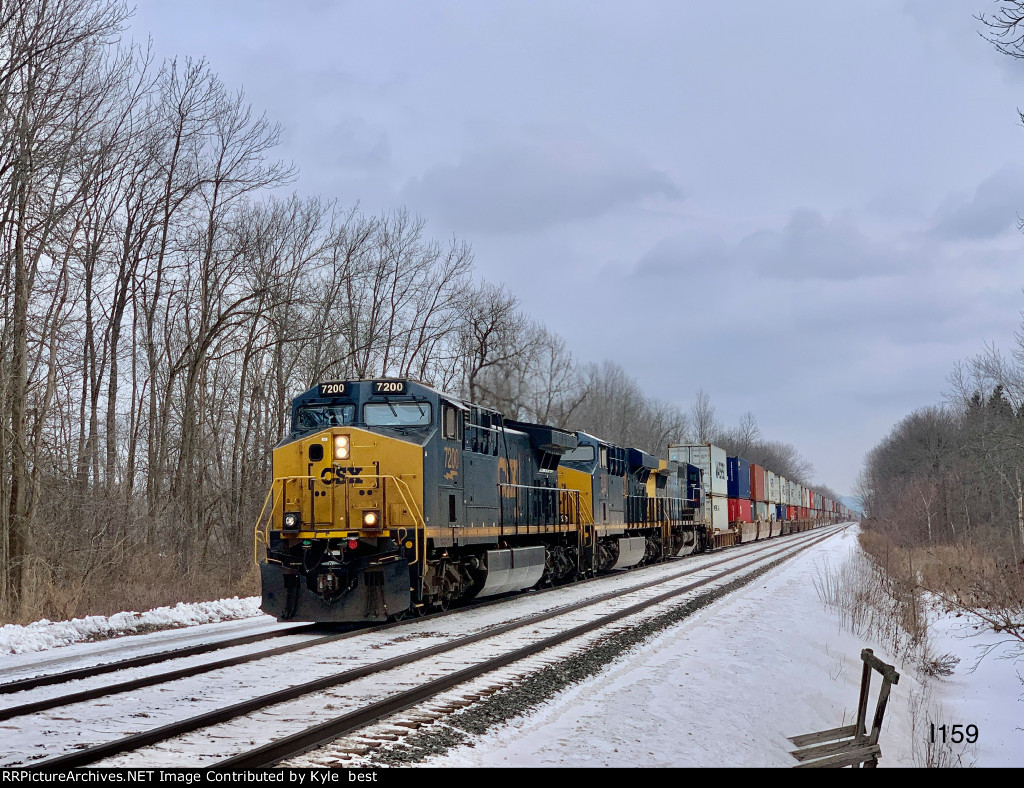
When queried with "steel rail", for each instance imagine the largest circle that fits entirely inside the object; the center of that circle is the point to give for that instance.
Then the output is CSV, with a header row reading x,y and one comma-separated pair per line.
x,y
146,659
326,732
95,753
82,696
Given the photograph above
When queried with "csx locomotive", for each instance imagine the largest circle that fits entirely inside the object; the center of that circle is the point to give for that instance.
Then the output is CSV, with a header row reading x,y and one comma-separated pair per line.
x,y
392,498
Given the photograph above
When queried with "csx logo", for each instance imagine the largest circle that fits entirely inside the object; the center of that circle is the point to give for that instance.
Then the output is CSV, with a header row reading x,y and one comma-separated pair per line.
x,y
339,475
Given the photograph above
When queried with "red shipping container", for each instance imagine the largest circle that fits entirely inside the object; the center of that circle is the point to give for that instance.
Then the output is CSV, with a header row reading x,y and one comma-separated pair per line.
x,y
739,510
758,483
805,513
791,513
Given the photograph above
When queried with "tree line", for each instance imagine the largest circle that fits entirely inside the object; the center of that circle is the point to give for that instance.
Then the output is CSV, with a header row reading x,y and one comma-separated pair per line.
x,y
164,298
955,471
943,495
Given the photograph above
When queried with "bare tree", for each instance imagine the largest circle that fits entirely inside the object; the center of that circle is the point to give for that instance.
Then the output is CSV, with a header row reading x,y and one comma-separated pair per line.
x,y
489,333
52,87
702,417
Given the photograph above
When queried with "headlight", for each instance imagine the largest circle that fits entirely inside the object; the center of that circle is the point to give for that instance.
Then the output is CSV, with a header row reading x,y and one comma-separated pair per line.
x,y
371,519
292,520
341,447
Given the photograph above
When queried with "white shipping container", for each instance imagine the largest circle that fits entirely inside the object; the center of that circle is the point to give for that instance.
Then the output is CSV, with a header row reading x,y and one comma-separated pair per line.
x,y
773,488
783,491
710,459
718,506
760,511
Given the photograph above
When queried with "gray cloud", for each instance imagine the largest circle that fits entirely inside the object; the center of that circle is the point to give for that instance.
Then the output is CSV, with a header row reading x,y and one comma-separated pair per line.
x,y
808,246
533,185
994,208
354,144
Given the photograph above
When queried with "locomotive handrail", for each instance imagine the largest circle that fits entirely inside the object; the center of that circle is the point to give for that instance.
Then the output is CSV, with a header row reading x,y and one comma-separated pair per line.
x,y
410,503
256,530
257,535
556,493
581,528
403,489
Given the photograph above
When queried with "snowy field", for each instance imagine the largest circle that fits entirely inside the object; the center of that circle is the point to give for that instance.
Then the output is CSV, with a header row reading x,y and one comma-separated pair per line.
x,y
728,685
724,687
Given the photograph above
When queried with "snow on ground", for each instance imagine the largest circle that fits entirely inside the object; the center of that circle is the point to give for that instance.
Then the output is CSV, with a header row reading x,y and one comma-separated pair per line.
x,y
729,684
42,635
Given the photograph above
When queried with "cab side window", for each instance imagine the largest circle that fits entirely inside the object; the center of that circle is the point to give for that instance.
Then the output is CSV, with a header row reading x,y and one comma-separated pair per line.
x,y
452,422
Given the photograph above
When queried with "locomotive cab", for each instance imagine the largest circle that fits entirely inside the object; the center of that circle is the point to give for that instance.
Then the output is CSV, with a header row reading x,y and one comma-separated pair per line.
x,y
346,499
389,497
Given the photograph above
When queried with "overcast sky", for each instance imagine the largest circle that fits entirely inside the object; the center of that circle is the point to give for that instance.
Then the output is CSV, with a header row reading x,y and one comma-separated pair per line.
x,y
809,210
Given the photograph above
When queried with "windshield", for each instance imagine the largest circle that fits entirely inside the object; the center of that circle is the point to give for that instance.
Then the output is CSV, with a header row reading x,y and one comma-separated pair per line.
x,y
318,417
579,454
396,414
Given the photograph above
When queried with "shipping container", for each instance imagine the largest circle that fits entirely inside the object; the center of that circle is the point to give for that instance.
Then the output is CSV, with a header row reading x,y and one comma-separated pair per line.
x,y
739,510
758,483
739,477
792,513
780,511
783,491
773,488
710,459
760,511
718,512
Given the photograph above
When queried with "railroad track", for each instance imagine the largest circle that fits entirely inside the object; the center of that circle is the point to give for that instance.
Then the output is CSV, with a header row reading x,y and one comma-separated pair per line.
x,y
143,660
369,688
189,671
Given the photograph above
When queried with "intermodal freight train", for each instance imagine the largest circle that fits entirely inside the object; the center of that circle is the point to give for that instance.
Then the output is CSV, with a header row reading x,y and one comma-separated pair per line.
x,y
391,498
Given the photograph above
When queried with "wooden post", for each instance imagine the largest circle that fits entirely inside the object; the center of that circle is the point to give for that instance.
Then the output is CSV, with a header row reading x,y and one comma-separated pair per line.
x,y
851,745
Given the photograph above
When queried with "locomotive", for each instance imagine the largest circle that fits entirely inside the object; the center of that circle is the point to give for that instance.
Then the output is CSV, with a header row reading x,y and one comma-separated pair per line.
x,y
391,498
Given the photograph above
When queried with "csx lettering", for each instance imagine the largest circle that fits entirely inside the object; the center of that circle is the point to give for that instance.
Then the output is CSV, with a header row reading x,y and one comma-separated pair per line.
x,y
339,475
509,470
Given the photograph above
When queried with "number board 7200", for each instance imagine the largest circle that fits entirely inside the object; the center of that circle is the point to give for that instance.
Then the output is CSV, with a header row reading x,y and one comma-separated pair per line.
x,y
333,389
389,387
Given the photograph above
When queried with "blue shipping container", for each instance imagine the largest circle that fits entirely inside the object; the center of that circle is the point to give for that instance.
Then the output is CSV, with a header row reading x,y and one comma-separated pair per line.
x,y
739,477
780,512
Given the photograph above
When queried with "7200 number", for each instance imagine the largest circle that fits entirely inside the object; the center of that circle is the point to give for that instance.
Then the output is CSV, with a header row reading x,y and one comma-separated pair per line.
x,y
955,733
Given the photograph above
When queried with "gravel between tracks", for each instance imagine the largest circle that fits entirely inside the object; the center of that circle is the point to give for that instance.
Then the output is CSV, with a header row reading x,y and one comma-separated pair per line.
x,y
507,704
